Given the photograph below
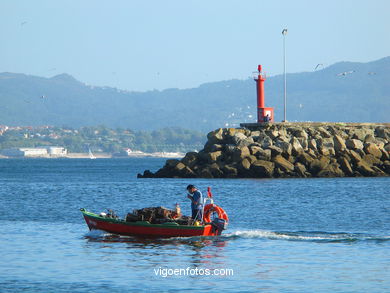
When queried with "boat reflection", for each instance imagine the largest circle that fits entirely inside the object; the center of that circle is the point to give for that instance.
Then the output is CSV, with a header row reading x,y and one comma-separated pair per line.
x,y
139,242
208,251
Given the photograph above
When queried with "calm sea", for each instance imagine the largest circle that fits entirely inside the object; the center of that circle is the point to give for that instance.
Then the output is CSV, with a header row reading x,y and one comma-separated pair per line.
x,y
290,235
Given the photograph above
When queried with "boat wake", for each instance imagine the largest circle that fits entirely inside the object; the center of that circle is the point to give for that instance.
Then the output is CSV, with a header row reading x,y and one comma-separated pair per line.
x,y
95,234
315,236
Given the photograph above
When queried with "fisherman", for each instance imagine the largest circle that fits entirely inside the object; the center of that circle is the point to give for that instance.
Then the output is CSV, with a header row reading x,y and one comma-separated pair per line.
x,y
196,202
267,118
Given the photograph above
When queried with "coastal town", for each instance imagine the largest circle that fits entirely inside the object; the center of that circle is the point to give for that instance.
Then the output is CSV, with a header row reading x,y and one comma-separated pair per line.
x,y
94,142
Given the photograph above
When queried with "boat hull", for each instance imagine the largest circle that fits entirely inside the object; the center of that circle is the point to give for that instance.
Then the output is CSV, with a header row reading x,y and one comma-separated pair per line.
x,y
145,229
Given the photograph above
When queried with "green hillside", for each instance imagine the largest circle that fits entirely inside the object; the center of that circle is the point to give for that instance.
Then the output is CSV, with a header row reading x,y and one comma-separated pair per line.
x,y
360,95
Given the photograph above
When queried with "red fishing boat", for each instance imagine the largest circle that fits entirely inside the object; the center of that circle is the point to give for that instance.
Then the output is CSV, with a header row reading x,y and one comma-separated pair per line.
x,y
215,220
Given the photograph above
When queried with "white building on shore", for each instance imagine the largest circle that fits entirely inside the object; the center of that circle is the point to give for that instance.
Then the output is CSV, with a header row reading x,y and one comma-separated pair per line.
x,y
38,152
56,151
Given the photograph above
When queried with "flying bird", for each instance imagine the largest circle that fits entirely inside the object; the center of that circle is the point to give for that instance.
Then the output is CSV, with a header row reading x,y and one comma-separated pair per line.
x,y
318,65
23,23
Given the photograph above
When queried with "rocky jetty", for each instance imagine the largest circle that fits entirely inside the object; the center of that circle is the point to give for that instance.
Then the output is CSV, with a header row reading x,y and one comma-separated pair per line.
x,y
285,150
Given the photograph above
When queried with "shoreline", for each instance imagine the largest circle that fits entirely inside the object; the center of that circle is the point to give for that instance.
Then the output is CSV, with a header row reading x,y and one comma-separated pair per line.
x,y
100,156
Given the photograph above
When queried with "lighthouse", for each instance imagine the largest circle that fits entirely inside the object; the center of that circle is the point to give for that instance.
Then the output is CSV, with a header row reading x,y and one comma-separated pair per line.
x,y
264,114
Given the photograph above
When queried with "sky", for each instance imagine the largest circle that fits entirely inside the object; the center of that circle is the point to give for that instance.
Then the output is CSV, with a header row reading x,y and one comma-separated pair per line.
x,y
152,44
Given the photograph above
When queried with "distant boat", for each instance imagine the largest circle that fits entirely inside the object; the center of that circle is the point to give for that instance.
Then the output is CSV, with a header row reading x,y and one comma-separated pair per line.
x,y
91,155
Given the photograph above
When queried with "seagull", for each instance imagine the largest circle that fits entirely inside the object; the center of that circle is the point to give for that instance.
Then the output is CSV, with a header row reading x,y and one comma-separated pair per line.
x,y
23,23
372,73
318,65
43,96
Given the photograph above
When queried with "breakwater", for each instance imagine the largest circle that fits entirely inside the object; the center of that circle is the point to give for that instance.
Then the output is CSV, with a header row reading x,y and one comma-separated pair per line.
x,y
287,150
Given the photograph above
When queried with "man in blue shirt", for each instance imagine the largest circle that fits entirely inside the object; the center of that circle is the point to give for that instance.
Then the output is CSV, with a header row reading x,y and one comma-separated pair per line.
x,y
196,202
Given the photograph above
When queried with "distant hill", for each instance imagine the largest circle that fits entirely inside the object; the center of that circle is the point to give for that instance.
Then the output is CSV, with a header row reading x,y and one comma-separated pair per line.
x,y
344,92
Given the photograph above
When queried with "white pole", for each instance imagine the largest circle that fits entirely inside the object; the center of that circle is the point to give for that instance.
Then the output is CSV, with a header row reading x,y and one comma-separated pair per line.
x,y
284,33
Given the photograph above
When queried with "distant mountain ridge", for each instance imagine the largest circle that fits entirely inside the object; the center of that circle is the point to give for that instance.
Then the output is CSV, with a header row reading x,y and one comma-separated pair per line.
x,y
343,92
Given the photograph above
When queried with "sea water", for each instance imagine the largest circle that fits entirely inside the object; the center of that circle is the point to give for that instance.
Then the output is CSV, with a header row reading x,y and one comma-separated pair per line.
x,y
284,235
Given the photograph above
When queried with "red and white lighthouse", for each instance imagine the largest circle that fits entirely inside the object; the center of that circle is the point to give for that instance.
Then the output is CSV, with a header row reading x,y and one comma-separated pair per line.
x,y
264,114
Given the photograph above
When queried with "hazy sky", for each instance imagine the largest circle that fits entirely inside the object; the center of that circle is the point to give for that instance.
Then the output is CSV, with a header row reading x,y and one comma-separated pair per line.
x,y
146,44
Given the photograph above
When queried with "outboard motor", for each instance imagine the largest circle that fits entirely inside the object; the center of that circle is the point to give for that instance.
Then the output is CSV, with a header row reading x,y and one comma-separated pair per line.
x,y
219,225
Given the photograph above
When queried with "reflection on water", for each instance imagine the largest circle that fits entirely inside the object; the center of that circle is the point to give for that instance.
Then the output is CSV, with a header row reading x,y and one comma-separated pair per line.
x,y
197,241
198,251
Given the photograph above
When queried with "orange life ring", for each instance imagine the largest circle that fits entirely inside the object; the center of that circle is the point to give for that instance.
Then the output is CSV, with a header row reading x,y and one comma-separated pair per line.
x,y
209,209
